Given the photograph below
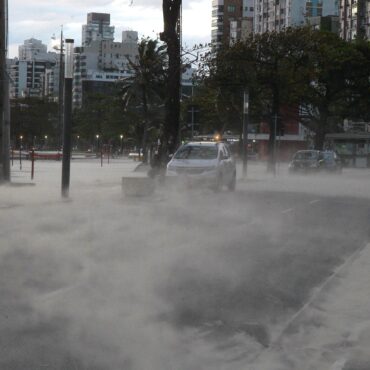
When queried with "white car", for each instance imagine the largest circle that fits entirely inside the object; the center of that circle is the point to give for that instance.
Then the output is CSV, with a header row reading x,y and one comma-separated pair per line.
x,y
209,163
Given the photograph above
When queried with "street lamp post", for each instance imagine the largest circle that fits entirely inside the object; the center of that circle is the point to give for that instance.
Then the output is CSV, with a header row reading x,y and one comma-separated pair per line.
x,y
20,151
61,78
97,143
121,137
67,126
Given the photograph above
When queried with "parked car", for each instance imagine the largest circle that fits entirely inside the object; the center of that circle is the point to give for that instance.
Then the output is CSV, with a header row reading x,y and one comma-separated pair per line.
x,y
204,163
306,161
314,161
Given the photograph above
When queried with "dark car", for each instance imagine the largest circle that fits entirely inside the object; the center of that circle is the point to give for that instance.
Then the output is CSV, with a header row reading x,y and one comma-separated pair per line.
x,y
306,161
315,160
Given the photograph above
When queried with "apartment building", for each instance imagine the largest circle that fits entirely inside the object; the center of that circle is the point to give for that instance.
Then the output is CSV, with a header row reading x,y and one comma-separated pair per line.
x,y
275,15
246,26
100,60
354,19
97,28
34,73
226,22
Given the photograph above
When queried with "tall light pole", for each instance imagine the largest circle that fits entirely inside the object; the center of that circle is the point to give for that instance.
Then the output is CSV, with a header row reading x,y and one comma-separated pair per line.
x,y
97,143
20,151
121,137
4,93
61,84
67,121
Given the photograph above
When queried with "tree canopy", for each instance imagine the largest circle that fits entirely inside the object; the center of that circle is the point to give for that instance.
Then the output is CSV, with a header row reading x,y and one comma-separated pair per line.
x,y
319,73
144,90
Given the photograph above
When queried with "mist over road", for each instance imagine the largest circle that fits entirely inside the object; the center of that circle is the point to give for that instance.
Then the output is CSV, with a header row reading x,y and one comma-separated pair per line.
x,y
180,280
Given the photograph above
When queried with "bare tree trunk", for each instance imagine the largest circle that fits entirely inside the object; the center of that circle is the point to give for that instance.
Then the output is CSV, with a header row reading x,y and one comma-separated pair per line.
x,y
321,129
320,137
271,162
145,128
170,35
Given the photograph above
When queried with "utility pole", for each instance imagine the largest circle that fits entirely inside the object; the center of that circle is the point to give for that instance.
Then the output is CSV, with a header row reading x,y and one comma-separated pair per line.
x,y
4,94
245,131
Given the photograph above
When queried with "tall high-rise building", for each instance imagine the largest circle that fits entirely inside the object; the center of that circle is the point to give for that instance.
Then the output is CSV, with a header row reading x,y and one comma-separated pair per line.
x,y
226,21
354,19
101,61
248,19
31,49
275,15
34,73
98,28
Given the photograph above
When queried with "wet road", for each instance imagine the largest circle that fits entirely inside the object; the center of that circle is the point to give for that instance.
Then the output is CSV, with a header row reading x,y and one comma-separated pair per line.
x,y
195,280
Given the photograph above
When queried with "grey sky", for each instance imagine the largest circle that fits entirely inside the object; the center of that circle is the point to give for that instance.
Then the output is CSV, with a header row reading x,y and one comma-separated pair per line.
x,y
43,18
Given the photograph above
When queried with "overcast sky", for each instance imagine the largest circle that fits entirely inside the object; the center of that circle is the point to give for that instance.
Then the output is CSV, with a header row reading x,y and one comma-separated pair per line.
x,y
42,18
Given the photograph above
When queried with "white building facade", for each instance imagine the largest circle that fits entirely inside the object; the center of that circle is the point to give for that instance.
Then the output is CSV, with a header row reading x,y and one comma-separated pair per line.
x,y
101,60
354,19
35,72
98,28
275,15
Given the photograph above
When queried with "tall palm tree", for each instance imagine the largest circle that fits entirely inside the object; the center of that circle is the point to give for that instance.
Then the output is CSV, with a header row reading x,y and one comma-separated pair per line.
x,y
146,85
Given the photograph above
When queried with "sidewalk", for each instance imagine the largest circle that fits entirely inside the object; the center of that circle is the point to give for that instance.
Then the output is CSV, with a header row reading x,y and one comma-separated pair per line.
x,y
88,179
333,330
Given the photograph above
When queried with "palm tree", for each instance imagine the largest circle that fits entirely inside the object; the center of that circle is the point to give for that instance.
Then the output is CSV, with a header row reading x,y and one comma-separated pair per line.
x,y
146,85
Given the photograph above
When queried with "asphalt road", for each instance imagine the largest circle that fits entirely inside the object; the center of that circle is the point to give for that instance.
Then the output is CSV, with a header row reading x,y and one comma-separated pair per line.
x,y
190,280
277,245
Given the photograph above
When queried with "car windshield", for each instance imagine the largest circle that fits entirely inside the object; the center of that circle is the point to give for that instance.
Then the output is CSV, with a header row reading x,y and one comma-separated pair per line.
x,y
197,152
306,155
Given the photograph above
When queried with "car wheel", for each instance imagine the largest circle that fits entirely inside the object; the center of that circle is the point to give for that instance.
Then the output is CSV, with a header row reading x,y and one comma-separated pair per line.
x,y
232,185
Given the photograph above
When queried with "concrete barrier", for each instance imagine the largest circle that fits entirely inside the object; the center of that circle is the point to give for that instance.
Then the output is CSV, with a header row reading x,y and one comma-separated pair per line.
x,y
138,185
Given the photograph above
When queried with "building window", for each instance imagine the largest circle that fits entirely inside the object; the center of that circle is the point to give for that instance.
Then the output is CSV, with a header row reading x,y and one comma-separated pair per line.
x,y
231,8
